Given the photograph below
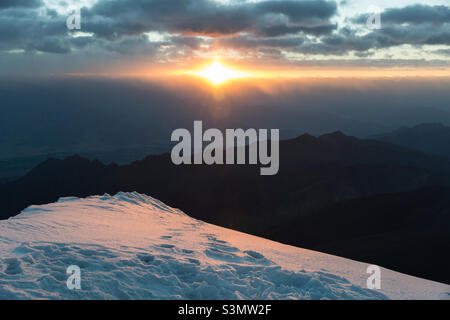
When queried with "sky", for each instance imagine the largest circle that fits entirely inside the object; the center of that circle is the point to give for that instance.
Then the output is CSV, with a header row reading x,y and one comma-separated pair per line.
x,y
273,36
125,78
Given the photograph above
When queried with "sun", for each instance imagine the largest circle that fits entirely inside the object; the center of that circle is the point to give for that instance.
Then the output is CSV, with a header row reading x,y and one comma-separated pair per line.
x,y
217,73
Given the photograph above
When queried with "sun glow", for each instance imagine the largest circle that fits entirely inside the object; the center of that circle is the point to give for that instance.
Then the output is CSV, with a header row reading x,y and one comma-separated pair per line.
x,y
217,73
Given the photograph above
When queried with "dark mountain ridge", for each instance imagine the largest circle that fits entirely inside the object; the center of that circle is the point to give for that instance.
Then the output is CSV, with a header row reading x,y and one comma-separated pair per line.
x,y
315,174
429,138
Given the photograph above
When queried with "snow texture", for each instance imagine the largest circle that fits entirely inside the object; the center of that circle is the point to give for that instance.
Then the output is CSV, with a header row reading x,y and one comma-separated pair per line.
x,y
131,246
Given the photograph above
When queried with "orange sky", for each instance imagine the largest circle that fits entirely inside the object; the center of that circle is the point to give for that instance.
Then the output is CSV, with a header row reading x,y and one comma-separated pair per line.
x,y
266,71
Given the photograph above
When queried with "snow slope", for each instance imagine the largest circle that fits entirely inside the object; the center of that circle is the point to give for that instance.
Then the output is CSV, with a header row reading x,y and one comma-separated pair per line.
x,y
131,246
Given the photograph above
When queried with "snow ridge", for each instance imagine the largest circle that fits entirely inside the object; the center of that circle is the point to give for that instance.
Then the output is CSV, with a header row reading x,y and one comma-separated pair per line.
x,y
132,246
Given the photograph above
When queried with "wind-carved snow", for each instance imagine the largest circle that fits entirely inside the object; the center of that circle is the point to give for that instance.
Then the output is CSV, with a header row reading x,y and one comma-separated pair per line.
x,y
131,246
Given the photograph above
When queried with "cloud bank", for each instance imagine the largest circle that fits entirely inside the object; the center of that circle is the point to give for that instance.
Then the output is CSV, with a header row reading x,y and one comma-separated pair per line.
x,y
281,30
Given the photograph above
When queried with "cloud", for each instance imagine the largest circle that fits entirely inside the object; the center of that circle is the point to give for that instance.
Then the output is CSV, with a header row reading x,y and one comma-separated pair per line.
x,y
247,42
50,45
120,112
267,29
31,29
282,29
413,14
119,25
414,25
445,52
212,18
20,4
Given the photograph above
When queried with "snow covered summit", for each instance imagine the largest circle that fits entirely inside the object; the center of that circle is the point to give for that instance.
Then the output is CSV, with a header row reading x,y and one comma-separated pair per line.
x,y
131,246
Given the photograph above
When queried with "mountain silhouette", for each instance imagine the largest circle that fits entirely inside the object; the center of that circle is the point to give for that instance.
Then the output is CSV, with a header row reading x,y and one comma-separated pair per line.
x,y
317,176
430,138
404,231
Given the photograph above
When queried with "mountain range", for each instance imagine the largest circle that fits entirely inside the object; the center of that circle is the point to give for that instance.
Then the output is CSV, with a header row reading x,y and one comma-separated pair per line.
x,y
430,138
359,198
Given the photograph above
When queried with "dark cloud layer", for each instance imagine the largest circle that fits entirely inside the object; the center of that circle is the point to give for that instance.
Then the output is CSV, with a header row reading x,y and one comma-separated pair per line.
x,y
206,17
269,28
20,3
414,25
414,14
104,112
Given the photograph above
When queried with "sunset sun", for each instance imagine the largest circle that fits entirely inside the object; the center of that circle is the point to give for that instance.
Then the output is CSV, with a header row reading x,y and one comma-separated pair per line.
x,y
217,73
